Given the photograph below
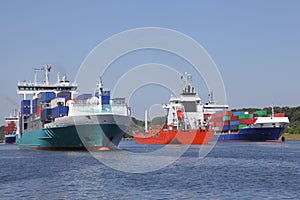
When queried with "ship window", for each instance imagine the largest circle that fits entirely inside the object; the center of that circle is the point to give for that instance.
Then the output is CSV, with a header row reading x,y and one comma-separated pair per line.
x,y
189,106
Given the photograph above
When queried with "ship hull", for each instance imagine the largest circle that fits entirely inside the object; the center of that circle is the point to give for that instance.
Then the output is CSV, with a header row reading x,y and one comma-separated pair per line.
x,y
79,137
10,139
175,137
254,134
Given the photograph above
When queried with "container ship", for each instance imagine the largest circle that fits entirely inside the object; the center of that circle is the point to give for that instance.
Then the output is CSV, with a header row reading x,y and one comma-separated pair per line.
x,y
249,126
184,124
10,129
55,120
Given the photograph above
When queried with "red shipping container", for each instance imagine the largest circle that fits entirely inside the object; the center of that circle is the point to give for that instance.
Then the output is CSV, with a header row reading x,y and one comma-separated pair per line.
x,y
242,121
228,113
234,118
279,115
250,121
226,123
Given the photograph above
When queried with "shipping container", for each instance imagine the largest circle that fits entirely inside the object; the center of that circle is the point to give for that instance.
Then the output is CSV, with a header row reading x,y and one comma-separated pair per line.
x,y
34,110
121,100
25,111
84,96
25,103
234,123
35,102
225,128
279,114
250,121
60,111
48,96
46,115
234,118
66,95
246,116
226,123
105,98
225,118
241,126
238,113
261,112
234,127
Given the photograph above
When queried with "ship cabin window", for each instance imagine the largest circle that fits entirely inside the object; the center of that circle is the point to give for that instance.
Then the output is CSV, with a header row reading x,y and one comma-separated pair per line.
x,y
176,101
189,106
60,103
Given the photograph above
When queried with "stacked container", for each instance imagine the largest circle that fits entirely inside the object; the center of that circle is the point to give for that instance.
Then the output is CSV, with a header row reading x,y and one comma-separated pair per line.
x,y
25,107
10,128
34,105
66,95
47,96
46,114
105,97
60,111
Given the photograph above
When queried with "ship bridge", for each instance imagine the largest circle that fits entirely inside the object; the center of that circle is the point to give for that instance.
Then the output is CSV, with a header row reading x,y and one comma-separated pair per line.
x,y
33,88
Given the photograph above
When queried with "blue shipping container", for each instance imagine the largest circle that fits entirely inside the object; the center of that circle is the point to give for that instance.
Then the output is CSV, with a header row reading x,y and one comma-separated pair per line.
x,y
25,111
48,96
238,113
234,122
225,128
25,103
35,102
105,99
66,95
234,127
46,114
60,111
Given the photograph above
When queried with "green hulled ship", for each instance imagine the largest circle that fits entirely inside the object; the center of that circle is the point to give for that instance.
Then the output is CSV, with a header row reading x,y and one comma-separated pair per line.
x,y
55,120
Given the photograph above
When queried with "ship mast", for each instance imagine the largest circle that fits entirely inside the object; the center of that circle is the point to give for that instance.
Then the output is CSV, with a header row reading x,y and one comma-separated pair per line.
x,y
47,69
100,91
187,84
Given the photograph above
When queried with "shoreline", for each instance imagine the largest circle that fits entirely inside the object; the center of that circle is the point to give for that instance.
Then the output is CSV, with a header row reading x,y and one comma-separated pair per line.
x,y
291,136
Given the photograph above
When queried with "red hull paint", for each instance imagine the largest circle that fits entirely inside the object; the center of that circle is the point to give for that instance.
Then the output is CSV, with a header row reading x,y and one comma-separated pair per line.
x,y
174,137
195,136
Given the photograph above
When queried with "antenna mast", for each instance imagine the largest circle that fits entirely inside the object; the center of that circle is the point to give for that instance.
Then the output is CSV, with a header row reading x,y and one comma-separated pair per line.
x,y
47,69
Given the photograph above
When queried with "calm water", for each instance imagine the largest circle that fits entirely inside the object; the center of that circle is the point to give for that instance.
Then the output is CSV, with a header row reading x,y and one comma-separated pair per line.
x,y
230,171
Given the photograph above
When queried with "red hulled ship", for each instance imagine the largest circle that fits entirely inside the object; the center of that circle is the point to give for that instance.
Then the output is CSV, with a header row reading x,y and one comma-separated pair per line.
x,y
185,123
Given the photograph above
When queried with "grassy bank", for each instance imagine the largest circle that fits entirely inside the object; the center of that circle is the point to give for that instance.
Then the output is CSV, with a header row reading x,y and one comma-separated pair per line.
x,y
292,136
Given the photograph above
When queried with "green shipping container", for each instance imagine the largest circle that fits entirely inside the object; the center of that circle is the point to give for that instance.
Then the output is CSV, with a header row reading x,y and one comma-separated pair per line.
x,y
242,126
261,112
226,118
246,116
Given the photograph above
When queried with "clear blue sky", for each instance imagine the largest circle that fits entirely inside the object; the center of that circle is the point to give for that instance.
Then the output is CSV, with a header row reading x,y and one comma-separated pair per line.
x,y
255,44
